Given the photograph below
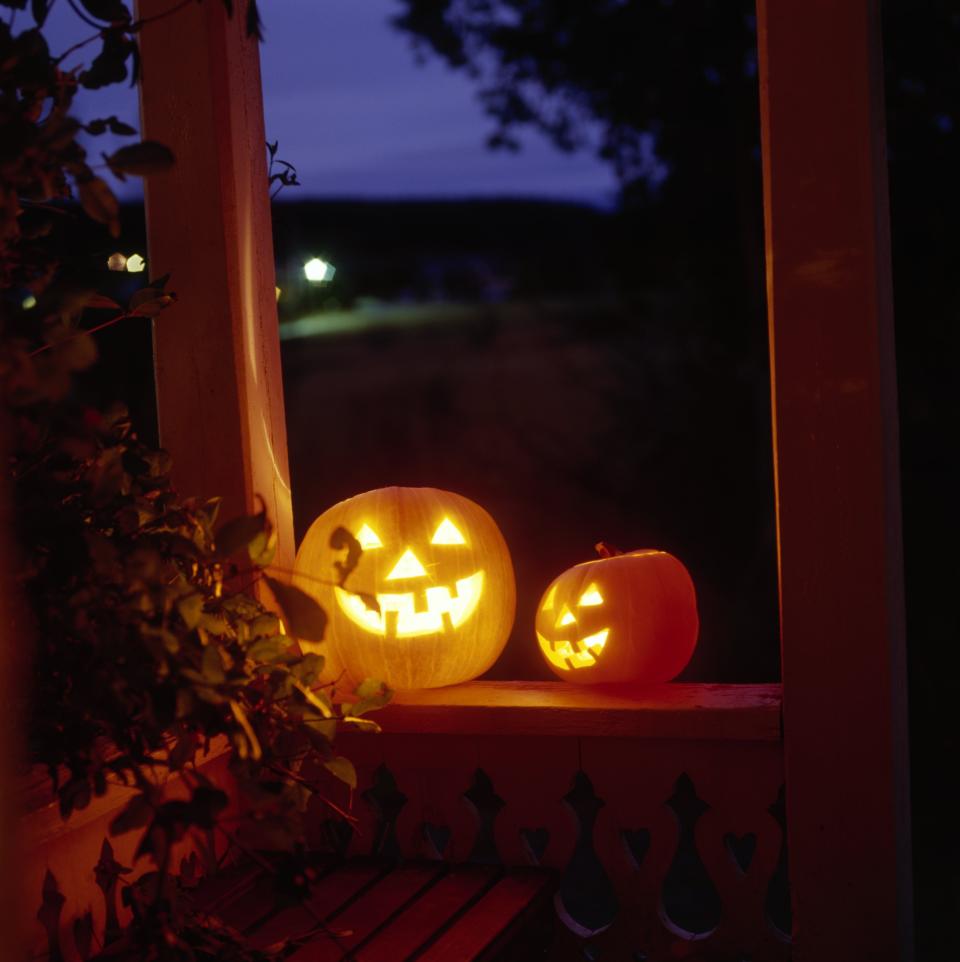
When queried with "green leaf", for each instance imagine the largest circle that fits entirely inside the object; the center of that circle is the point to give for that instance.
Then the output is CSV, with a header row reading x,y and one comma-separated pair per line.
x,y
370,688
110,65
362,724
239,533
256,752
263,548
324,727
371,694
269,649
317,699
215,624
150,301
264,626
190,608
343,769
212,666
308,668
141,160
304,618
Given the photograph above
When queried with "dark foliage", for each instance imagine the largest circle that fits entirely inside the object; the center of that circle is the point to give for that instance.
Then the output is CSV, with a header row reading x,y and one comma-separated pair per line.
x,y
149,640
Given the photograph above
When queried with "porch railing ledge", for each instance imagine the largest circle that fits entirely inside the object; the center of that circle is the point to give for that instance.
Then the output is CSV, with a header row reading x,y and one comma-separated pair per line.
x,y
40,819
668,711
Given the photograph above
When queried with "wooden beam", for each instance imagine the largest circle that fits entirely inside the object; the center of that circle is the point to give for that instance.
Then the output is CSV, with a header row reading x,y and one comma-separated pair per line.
x,y
837,476
746,713
217,352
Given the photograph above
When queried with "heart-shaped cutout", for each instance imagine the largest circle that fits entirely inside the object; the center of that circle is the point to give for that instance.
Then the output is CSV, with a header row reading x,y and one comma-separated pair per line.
x,y
437,836
535,840
741,849
637,842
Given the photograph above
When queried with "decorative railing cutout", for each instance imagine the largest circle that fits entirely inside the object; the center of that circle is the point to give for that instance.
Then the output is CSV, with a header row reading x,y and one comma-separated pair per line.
x,y
636,841
586,901
486,804
777,907
436,838
387,802
741,849
690,905
638,874
535,842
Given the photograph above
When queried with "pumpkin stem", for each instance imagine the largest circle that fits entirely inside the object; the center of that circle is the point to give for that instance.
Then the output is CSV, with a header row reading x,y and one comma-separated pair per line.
x,y
606,550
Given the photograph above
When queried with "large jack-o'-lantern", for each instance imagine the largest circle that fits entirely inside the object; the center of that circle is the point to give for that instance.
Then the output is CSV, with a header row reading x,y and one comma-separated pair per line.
x,y
628,618
431,601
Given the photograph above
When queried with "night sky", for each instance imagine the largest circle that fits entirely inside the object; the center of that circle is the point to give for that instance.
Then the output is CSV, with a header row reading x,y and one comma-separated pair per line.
x,y
357,116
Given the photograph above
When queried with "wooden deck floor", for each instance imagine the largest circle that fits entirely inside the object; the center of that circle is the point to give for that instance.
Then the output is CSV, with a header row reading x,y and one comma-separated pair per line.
x,y
368,910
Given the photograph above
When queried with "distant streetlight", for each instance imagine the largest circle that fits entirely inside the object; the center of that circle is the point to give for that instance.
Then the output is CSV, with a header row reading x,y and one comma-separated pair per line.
x,y
318,271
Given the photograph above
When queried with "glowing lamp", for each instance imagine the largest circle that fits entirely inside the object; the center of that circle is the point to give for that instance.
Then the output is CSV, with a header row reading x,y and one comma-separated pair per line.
x,y
317,270
627,618
135,264
431,601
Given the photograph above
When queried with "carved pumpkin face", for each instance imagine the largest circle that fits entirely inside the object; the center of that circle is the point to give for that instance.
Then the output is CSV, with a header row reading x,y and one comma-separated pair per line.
x,y
628,618
441,575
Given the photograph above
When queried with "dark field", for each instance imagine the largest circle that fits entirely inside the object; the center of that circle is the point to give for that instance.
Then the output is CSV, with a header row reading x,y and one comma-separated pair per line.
x,y
571,422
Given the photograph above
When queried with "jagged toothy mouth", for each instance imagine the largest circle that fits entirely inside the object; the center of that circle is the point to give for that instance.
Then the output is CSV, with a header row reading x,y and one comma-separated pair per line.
x,y
565,656
445,609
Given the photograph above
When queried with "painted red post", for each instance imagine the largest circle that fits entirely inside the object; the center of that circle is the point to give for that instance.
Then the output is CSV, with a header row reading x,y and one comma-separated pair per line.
x,y
837,470
217,352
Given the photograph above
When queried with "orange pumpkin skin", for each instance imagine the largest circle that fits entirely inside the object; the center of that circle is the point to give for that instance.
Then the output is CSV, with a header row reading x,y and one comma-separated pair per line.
x,y
631,618
442,576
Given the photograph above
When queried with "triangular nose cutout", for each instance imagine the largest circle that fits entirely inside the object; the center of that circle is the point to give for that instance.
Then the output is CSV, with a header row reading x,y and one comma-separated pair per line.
x,y
566,617
407,567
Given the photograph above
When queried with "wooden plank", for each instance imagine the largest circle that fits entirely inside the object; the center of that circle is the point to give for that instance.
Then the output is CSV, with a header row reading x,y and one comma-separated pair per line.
x,y
488,922
837,476
437,908
217,351
328,895
360,919
219,892
738,712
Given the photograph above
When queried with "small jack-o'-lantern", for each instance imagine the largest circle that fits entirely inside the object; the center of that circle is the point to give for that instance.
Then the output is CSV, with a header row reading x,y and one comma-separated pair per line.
x,y
622,618
431,601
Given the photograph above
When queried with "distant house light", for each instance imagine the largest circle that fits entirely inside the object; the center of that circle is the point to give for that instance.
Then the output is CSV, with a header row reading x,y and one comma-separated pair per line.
x,y
135,264
117,262
318,271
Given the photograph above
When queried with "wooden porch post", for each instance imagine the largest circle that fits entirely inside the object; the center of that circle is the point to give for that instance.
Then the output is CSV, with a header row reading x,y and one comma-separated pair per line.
x,y
837,469
217,352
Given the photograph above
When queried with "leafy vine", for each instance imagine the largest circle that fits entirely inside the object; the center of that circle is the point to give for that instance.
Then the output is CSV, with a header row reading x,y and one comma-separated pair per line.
x,y
150,646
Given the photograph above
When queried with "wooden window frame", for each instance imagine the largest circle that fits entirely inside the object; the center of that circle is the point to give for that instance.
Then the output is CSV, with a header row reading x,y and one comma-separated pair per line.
x,y
833,384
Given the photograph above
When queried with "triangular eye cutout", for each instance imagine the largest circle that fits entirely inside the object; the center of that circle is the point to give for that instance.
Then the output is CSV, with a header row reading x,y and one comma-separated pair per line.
x,y
407,567
590,597
551,597
368,538
447,533
566,617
